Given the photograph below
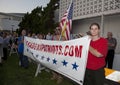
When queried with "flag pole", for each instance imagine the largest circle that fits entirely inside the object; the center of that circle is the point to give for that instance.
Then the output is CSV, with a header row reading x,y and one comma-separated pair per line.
x,y
63,30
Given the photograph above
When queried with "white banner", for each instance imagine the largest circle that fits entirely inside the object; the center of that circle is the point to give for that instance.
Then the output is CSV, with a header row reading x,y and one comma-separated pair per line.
x,y
65,57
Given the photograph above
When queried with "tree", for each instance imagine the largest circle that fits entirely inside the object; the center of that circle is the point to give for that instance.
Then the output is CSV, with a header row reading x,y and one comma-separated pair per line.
x,y
40,19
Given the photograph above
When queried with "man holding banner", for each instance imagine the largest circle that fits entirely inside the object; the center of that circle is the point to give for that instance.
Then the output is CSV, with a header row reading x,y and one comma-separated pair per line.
x,y
95,74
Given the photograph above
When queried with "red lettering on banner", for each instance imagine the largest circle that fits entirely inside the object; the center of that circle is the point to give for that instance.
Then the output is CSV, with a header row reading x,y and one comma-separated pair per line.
x,y
78,51
42,47
66,50
56,49
48,48
71,51
60,50
53,49
38,47
27,43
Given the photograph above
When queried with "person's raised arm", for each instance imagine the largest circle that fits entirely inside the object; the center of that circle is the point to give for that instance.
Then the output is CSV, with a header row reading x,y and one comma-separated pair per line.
x,y
95,52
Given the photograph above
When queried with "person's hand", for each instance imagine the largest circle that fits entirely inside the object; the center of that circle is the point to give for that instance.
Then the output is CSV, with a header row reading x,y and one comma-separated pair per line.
x,y
81,34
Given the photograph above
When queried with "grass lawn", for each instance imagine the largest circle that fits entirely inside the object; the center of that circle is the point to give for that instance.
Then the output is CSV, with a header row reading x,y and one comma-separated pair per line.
x,y
12,74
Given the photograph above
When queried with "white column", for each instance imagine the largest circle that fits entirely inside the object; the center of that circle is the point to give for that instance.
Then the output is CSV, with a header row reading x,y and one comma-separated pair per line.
x,y
102,25
102,19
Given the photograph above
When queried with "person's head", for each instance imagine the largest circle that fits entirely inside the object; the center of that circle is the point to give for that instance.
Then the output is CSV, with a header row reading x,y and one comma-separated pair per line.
x,y
14,34
23,32
4,35
33,34
40,36
49,33
29,34
109,34
94,29
57,31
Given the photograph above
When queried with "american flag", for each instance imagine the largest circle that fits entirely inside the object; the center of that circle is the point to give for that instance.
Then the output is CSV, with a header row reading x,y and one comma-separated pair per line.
x,y
66,22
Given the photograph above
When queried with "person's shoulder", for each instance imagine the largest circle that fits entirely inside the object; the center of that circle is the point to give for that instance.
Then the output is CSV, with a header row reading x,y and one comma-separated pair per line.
x,y
103,39
114,38
20,37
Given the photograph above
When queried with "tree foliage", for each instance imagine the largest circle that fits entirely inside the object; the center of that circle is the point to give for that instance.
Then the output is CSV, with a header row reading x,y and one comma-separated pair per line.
x,y
41,19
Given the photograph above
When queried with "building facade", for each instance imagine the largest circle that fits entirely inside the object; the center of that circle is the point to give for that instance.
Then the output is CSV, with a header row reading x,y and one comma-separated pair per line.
x,y
90,8
10,21
85,12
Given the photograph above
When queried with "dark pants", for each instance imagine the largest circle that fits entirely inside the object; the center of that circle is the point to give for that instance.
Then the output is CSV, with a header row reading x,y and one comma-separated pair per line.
x,y
5,54
23,60
110,58
94,77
